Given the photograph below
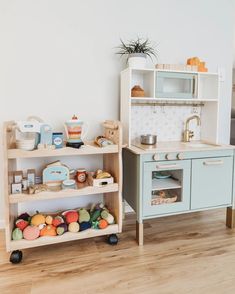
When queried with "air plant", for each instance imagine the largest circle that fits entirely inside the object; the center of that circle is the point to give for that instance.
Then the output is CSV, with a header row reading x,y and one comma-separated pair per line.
x,y
141,46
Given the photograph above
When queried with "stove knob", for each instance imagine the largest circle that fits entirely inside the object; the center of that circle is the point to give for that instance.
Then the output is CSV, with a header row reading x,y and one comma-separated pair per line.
x,y
169,156
180,156
156,157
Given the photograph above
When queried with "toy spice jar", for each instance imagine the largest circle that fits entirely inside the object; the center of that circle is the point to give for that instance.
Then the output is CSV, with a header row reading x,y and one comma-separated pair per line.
x,y
81,175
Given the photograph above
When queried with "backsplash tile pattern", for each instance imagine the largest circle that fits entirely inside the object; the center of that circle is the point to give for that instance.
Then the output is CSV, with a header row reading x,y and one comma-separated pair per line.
x,y
167,122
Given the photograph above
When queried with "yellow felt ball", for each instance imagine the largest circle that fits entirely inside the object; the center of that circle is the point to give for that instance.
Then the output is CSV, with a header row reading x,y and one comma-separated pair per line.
x,y
73,227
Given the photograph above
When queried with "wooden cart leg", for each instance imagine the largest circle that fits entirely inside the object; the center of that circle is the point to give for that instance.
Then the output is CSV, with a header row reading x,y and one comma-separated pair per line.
x,y
230,218
140,233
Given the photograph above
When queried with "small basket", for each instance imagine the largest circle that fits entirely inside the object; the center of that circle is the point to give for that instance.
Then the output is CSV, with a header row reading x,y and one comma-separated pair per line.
x,y
99,182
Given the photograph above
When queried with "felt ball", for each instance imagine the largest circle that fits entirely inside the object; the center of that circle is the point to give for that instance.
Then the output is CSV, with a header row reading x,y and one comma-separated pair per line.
x,y
84,226
49,220
103,224
71,217
57,221
31,232
73,227
38,219
17,234
21,224
84,215
61,229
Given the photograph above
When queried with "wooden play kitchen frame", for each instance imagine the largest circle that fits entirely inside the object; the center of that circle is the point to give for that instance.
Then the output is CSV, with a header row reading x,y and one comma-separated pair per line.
x,y
112,162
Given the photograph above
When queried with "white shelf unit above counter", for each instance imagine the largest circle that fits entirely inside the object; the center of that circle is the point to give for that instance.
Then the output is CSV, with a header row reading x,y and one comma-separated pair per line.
x,y
174,85
200,90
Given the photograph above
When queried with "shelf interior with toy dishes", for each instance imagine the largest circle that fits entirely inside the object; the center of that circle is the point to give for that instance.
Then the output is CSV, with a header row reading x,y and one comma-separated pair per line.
x,y
89,148
47,195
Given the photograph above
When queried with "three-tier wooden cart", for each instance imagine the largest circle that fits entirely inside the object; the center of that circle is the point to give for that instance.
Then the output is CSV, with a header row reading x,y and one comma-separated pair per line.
x,y
112,162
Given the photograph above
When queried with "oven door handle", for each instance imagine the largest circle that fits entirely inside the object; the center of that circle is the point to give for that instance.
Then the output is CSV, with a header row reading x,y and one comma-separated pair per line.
x,y
163,166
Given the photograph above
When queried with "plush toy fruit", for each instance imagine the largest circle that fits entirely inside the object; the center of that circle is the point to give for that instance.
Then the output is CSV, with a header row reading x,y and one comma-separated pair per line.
x,y
95,215
31,232
84,226
57,221
73,227
61,229
84,215
21,224
17,234
49,220
38,219
107,216
48,230
71,217
25,216
103,224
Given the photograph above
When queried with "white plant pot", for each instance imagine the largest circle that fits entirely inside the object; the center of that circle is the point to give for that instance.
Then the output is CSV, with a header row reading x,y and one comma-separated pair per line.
x,y
137,60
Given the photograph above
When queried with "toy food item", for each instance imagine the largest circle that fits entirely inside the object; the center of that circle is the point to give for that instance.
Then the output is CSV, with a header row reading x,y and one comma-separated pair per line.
x,y
95,214
57,221
49,220
107,216
81,175
102,174
21,224
25,216
31,232
71,217
101,141
103,224
61,229
38,219
84,226
17,234
137,91
84,215
48,230
73,227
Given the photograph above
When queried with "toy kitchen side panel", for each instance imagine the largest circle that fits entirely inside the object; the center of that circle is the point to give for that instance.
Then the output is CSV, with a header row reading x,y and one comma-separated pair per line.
x,y
132,181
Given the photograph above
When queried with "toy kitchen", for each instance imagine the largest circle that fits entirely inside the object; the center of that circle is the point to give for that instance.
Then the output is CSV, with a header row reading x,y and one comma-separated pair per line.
x,y
173,163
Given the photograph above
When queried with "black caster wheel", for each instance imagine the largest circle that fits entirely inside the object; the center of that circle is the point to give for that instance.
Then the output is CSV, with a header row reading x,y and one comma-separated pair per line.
x,y
113,239
16,256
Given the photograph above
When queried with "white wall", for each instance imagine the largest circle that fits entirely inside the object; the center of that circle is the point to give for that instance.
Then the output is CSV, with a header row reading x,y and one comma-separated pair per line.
x,y
57,57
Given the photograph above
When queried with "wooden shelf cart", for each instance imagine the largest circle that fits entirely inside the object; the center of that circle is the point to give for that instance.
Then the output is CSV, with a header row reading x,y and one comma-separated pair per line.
x,y
112,162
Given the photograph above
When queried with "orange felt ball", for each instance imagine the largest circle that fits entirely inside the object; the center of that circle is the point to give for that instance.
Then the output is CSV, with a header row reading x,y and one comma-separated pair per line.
x,y
103,224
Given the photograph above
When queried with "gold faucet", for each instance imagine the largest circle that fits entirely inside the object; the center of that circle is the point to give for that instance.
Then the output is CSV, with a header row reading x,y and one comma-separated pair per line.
x,y
187,133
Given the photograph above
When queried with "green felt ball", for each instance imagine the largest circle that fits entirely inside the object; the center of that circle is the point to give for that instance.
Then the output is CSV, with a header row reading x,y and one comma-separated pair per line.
x,y
17,234
84,215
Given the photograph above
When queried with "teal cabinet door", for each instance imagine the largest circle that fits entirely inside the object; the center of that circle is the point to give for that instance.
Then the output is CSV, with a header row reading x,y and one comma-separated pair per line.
x,y
211,182
159,190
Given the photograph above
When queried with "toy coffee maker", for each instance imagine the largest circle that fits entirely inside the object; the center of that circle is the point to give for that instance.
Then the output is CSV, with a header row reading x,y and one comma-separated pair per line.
x,y
75,132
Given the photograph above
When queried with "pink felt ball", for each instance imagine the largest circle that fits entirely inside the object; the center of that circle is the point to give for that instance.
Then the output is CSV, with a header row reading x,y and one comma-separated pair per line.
x,y
31,232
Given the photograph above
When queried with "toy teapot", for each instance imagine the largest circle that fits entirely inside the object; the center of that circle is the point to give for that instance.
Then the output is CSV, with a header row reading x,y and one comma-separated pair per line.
x,y
76,130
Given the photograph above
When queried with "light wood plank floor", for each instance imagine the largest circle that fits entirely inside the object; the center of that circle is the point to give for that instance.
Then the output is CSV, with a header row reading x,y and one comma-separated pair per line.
x,y
193,253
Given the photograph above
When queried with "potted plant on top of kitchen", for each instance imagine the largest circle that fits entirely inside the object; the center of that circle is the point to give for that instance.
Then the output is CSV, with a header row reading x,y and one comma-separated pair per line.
x,y
137,52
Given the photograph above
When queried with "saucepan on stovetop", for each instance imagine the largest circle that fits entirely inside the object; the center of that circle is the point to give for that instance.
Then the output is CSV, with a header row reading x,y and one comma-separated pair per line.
x,y
148,139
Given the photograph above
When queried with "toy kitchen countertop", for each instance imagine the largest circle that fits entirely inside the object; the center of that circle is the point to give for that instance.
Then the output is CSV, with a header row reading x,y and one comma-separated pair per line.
x,y
176,146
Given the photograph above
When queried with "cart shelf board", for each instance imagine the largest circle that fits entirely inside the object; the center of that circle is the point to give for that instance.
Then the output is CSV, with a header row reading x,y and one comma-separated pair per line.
x,y
88,149
47,195
68,236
